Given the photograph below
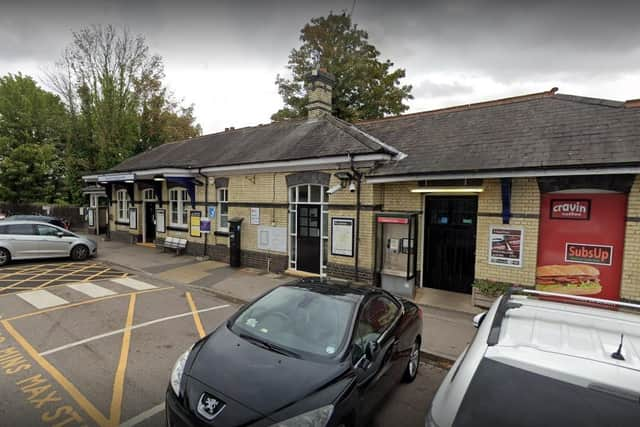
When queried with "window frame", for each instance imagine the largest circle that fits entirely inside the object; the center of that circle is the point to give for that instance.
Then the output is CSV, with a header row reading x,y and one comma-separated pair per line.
x,y
182,214
222,201
122,205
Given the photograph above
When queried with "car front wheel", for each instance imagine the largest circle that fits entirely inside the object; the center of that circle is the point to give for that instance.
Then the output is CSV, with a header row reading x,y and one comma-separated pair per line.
x,y
80,253
411,371
5,256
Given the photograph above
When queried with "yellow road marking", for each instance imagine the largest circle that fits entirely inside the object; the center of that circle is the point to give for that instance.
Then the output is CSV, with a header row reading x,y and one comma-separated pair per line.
x,y
118,383
82,401
48,271
31,288
91,301
21,271
97,274
65,275
196,316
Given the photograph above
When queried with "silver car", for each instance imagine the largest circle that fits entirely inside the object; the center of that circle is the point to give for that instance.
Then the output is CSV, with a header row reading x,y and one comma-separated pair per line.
x,y
545,359
31,240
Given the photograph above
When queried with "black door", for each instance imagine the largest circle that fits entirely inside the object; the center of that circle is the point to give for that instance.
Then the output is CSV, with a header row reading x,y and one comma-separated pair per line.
x,y
450,243
150,222
308,238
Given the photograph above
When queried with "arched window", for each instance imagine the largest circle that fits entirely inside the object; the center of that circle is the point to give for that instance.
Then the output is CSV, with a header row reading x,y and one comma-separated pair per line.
x,y
122,205
178,207
148,195
305,202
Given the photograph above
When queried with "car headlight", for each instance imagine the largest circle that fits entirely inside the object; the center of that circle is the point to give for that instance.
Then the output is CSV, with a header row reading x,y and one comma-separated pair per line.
x,y
178,369
316,418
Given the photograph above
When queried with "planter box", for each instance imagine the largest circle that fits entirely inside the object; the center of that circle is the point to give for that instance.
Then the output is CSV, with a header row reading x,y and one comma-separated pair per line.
x,y
481,300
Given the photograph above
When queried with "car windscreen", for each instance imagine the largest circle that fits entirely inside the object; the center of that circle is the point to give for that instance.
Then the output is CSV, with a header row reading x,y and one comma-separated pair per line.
x,y
503,395
299,320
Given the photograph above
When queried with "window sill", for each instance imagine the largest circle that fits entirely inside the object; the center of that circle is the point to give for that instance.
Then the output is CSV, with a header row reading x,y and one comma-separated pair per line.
x,y
178,228
122,222
221,233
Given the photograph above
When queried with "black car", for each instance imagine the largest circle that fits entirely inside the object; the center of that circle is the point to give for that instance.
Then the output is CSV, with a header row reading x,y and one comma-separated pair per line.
x,y
309,353
40,218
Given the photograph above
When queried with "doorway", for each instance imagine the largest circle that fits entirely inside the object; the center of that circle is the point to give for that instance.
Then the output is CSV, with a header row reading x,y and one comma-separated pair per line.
x,y
309,238
149,222
450,242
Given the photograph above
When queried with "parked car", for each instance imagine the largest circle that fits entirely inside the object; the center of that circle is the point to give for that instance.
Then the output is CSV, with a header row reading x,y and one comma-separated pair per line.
x,y
544,359
31,240
59,222
309,353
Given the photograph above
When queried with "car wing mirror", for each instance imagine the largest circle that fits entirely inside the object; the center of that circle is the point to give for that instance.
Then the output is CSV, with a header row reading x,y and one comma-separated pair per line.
x,y
478,318
60,234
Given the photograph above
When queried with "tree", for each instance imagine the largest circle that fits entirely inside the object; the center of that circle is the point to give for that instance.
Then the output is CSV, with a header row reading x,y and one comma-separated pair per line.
x,y
113,89
33,136
366,88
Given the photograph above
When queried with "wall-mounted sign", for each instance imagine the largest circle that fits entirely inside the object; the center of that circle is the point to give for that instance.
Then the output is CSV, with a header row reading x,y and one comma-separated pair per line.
x,y
211,212
570,209
392,220
133,218
272,238
582,254
205,225
588,254
194,223
161,221
505,245
342,236
255,216
90,217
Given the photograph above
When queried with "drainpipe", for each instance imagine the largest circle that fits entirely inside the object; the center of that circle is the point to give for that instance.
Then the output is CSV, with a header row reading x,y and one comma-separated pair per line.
x,y
358,176
206,203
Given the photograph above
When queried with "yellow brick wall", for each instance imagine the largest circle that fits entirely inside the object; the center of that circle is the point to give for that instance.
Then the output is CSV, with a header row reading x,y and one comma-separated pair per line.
x,y
631,260
525,199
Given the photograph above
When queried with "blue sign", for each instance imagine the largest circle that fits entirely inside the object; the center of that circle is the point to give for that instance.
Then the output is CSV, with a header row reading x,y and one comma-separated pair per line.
x,y
211,210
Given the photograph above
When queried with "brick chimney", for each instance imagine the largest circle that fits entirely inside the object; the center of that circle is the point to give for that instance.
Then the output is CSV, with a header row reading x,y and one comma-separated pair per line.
x,y
632,103
319,91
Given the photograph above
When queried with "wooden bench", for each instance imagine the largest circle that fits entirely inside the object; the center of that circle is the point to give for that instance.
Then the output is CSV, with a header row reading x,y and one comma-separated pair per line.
x,y
174,243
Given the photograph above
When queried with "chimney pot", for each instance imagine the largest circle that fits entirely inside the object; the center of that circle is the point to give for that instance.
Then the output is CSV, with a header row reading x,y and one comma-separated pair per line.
x,y
632,103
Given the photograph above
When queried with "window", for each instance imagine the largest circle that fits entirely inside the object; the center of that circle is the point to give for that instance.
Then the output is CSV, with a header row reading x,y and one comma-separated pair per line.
x,y
178,199
122,205
377,315
45,230
21,229
148,195
223,209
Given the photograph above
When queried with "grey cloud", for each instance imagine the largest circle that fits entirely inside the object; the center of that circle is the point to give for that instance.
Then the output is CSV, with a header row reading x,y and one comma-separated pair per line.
x,y
430,89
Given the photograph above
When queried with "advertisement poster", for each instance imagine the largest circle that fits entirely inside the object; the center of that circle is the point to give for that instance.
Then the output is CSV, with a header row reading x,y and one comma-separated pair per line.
x,y
205,225
505,245
581,243
160,221
255,216
133,218
342,236
194,223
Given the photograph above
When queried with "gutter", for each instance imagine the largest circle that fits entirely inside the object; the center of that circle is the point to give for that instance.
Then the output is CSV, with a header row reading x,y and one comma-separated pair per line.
x,y
530,173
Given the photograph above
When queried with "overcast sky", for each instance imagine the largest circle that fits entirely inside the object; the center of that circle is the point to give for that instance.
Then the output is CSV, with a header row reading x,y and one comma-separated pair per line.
x,y
223,56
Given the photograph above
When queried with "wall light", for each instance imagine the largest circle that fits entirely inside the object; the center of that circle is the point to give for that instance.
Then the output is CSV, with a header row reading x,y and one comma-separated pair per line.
x,y
128,181
448,190
159,178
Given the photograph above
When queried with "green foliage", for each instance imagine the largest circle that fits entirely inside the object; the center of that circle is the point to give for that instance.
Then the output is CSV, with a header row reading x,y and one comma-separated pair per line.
x,y
491,288
366,88
33,136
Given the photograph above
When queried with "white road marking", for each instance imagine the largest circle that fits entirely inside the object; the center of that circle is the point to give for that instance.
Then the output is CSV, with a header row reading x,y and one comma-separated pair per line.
x,y
133,284
89,289
42,299
119,331
143,416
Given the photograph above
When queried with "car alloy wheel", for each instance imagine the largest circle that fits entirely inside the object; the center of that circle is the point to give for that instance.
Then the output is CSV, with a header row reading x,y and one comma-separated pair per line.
x,y
4,256
414,363
80,253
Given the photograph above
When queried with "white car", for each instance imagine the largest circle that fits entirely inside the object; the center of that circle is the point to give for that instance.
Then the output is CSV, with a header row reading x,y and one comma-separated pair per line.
x,y
31,240
544,359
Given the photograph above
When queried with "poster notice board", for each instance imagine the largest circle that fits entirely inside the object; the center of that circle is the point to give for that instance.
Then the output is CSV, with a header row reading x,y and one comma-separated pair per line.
x,y
161,221
255,216
194,223
342,236
133,218
505,245
272,238
581,244
205,225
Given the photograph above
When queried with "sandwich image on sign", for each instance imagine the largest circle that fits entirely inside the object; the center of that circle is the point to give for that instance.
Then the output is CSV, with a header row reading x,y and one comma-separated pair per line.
x,y
575,279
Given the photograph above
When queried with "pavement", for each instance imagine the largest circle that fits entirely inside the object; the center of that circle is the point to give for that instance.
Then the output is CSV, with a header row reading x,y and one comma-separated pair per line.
x,y
447,326
99,351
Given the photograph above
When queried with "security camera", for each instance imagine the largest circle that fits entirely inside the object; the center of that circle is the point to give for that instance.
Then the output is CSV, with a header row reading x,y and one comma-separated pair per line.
x,y
352,187
334,189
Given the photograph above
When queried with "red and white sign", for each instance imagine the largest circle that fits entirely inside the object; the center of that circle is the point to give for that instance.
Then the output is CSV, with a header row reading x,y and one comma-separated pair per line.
x,y
581,244
570,209
392,220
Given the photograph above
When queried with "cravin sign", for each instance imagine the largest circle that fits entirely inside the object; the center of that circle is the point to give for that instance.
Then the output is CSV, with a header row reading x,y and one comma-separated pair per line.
x,y
570,209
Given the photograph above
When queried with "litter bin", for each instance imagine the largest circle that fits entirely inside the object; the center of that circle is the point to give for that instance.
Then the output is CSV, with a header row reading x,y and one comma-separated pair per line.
x,y
235,260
